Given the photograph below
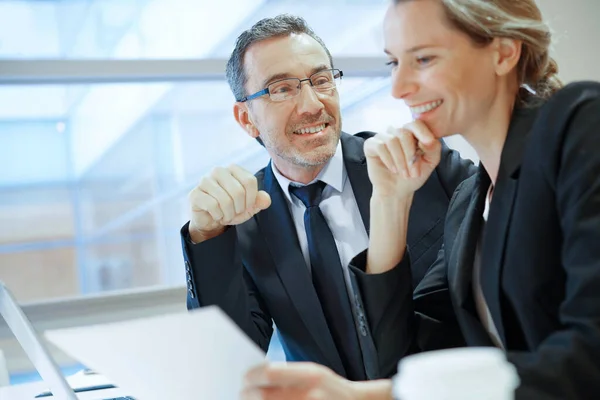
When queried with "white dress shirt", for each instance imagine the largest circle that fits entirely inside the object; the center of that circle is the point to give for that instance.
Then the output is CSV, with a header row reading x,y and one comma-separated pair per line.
x,y
340,209
482,308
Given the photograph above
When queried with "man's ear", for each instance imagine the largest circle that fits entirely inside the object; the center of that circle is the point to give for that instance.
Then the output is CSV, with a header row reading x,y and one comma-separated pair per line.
x,y
507,55
242,116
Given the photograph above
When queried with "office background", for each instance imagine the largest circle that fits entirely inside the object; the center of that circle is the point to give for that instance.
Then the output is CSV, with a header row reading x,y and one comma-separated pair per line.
x,y
112,110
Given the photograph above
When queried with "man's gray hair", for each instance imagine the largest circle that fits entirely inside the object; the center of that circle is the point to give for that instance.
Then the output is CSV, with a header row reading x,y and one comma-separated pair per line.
x,y
267,28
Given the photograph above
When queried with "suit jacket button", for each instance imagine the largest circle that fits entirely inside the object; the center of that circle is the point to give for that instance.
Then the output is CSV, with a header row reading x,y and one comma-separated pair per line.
x,y
187,266
191,293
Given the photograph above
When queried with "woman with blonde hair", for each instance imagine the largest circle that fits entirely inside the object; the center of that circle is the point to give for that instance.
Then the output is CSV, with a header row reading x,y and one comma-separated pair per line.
x,y
520,269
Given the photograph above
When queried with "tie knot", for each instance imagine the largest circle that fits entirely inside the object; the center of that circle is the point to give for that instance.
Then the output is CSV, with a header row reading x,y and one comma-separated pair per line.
x,y
311,195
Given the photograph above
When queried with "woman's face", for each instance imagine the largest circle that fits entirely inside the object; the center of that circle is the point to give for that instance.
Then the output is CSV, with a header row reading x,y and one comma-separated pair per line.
x,y
448,82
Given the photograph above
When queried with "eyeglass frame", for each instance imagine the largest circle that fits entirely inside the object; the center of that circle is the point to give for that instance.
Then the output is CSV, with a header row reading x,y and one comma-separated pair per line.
x,y
300,81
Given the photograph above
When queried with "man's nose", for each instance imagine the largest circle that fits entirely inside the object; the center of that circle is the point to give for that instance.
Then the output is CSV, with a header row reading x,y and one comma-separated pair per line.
x,y
308,101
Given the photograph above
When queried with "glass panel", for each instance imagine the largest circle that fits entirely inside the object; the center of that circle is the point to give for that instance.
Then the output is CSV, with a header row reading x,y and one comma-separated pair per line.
x,y
40,274
32,151
174,28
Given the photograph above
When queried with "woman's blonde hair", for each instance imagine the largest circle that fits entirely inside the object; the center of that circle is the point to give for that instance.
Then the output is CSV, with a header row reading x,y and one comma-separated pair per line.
x,y
484,20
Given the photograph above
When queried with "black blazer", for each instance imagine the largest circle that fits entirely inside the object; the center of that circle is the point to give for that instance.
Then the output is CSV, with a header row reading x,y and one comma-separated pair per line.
x,y
540,270
256,272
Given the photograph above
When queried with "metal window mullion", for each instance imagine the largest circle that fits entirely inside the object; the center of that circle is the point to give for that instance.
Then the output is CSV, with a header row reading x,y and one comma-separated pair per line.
x,y
27,72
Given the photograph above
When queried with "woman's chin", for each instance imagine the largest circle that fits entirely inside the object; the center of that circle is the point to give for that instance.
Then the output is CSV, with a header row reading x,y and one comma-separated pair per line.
x,y
439,132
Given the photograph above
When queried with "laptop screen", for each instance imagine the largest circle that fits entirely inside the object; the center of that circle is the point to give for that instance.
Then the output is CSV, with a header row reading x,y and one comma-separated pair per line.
x,y
33,346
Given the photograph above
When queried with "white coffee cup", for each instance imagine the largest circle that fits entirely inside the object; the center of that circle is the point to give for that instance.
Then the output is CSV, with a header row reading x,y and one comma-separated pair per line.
x,y
470,373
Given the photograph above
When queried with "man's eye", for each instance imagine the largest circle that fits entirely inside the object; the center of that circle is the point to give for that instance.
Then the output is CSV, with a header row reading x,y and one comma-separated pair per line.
x,y
321,81
280,89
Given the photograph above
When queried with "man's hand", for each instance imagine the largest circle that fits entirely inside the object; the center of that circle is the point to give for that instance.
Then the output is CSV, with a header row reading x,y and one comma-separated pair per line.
x,y
390,159
308,381
226,196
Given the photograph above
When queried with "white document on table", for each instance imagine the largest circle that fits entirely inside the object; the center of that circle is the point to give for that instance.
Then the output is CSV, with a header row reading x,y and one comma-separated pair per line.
x,y
199,354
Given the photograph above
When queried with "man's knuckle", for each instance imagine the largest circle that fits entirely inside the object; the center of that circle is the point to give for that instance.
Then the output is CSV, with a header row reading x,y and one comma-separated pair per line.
x,y
217,172
249,181
226,201
205,182
210,203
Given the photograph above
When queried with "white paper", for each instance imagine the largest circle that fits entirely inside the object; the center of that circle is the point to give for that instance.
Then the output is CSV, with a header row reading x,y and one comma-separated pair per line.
x,y
200,354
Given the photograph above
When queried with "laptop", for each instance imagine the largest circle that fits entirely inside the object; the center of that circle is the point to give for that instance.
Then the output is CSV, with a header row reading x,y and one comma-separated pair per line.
x,y
39,355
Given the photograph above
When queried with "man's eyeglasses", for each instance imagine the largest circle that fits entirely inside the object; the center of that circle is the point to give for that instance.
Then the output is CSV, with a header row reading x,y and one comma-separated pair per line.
x,y
284,89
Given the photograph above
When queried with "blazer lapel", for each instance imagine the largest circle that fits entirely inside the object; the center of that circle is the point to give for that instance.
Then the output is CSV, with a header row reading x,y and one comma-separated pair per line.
x,y
356,167
279,230
462,255
501,207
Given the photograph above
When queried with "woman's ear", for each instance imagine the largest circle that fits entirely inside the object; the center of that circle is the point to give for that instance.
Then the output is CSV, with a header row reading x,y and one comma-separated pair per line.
x,y
507,55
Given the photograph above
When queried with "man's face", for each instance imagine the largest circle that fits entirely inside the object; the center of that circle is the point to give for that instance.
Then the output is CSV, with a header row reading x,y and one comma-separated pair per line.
x,y
301,132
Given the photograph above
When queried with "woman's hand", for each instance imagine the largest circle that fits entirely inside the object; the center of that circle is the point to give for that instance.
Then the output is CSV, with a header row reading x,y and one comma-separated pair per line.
x,y
307,381
400,161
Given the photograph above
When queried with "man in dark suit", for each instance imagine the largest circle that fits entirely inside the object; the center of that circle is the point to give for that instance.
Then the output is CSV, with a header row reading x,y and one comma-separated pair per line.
x,y
275,246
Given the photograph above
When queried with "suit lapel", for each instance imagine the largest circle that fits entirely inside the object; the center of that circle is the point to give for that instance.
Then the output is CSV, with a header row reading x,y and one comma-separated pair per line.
x,y
279,230
356,167
460,253
462,256
497,227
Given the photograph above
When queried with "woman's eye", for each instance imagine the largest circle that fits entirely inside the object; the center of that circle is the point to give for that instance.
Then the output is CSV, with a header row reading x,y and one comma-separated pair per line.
x,y
424,60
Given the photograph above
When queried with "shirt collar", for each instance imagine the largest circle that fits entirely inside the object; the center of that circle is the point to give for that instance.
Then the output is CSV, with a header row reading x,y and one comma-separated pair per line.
x,y
333,174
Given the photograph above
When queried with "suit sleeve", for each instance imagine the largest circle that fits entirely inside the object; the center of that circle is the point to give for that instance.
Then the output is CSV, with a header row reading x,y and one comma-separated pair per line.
x,y
388,306
217,276
567,363
403,321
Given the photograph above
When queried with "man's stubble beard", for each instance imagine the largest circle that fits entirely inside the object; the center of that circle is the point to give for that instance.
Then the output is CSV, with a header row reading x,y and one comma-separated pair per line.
x,y
297,157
